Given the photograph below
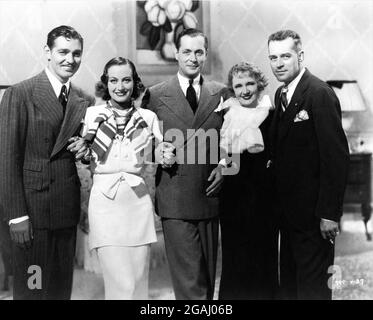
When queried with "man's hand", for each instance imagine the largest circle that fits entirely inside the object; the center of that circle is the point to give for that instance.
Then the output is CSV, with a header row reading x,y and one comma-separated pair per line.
x,y
329,229
78,146
217,178
21,233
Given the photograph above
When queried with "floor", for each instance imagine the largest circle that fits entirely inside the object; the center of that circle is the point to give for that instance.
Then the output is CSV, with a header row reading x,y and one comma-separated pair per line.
x,y
353,269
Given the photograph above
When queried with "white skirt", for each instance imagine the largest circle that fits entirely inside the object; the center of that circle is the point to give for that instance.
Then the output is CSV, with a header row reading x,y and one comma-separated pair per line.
x,y
125,220
125,271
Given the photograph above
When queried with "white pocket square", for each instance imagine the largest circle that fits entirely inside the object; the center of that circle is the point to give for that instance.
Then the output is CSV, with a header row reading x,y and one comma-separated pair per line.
x,y
301,116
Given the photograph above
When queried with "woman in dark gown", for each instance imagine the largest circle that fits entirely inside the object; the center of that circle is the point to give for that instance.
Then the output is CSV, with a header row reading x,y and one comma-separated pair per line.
x,y
248,228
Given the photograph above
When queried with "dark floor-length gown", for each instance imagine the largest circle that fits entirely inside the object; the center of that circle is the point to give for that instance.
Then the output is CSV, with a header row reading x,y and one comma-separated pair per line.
x,y
249,229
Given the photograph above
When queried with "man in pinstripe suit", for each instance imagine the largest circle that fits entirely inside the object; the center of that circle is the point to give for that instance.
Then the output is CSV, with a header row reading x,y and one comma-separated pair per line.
x,y
39,186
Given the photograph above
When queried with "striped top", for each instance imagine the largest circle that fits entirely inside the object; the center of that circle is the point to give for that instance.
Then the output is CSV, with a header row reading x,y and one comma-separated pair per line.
x,y
123,153
114,123
121,118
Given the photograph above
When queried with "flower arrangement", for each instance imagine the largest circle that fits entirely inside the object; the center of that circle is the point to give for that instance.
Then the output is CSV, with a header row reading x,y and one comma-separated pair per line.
x,y
165,20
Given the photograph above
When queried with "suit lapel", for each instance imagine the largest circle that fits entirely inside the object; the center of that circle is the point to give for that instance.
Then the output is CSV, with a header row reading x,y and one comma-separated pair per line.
x,y
46,101
175,100
75,110
205,107
294,106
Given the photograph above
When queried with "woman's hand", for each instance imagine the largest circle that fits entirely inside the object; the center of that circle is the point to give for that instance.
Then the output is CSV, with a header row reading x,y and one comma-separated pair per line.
x,y
165,154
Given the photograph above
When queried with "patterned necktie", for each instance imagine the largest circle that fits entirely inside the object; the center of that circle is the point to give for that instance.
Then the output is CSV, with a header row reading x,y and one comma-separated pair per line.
x,y
284,99
192,96
63,97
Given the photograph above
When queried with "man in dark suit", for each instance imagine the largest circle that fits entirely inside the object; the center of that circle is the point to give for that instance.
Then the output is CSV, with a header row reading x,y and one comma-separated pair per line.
x,y
310,162
186,193
39,185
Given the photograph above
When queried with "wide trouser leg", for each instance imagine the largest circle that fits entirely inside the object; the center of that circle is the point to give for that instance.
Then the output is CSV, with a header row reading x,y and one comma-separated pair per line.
x,y
125,271
191,249
288,270
51,258
305,261
6,254
60,282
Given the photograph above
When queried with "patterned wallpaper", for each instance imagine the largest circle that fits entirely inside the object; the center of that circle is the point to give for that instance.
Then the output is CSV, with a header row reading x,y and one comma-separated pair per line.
x,y
23,31
337,40
337,37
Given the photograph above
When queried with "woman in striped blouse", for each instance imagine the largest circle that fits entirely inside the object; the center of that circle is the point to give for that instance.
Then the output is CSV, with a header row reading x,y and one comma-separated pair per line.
x,y
122,137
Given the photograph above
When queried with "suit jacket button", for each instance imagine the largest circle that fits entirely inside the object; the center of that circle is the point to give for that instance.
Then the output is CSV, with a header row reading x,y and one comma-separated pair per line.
x,y
52,180
46,140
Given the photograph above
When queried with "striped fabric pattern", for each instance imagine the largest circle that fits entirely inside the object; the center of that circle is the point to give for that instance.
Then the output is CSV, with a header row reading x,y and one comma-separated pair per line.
x,y
38,174
122,120
137,133
109,123
103,133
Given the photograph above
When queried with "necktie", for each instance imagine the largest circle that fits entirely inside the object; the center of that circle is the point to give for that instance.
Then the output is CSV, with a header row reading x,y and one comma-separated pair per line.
x,y
192,96
63,97
284,100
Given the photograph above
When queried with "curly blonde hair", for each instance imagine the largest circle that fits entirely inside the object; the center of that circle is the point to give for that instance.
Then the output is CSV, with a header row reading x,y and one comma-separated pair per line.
x,y
251,70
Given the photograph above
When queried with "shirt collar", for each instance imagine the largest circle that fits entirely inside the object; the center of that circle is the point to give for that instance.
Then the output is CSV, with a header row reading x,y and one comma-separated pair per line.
x,y
123,112
184,84
184,81
293,84
56,84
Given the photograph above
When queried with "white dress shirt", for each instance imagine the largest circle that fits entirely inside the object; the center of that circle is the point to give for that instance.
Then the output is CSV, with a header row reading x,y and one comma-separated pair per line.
x,y
56,84
184,84
292,86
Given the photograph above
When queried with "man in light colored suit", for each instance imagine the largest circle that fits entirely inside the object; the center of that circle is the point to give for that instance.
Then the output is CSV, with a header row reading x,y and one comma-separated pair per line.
x,y
39,186
186,193
310,162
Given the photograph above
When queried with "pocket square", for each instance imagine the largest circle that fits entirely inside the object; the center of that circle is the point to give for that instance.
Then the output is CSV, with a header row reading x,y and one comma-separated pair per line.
x,y
301,116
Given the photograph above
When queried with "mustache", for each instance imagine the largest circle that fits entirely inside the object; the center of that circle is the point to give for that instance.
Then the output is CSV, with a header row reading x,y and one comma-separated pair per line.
x,y
70,65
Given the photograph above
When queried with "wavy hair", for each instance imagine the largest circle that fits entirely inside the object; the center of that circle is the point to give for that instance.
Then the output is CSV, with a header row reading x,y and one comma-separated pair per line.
x,y
284,34
63,31
101,89
251,70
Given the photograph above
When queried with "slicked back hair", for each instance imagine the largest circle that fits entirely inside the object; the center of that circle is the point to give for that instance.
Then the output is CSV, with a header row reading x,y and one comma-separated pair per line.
x,y
191,33
63,31
284,34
